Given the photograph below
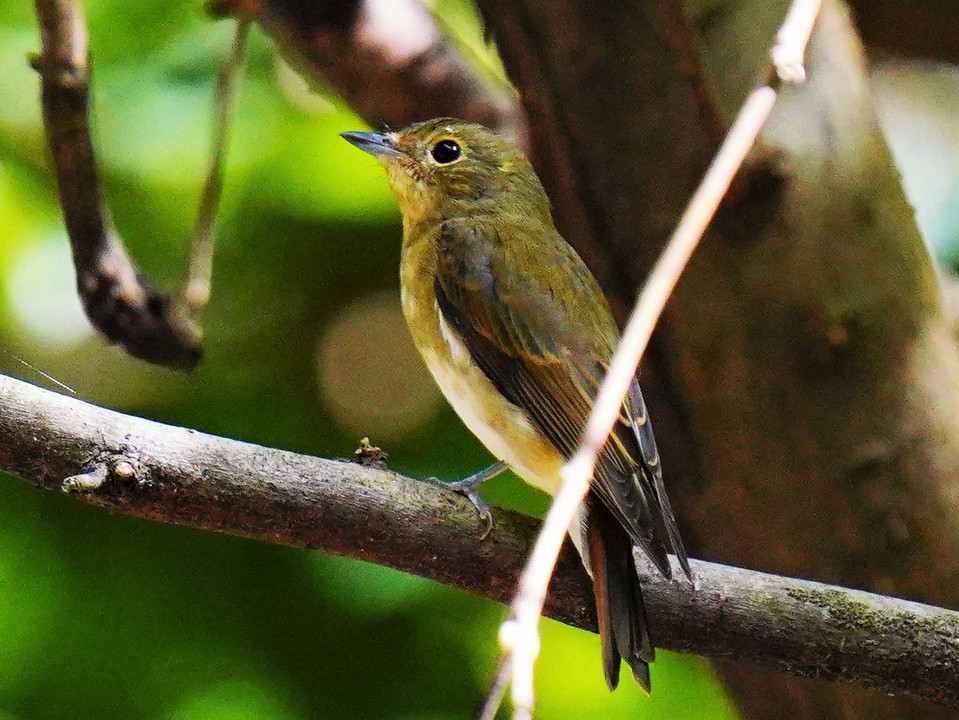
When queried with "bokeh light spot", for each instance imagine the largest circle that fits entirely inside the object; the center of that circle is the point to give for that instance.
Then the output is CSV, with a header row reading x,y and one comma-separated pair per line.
x,y
300,92
239,700
370,373
42,293
351,585
915,101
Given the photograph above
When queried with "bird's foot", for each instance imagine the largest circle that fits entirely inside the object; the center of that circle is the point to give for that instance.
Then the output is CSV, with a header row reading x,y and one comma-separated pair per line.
x,y
468,487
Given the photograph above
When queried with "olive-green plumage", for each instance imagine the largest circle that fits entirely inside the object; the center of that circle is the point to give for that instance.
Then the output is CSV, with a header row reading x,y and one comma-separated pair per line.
x,y
518,335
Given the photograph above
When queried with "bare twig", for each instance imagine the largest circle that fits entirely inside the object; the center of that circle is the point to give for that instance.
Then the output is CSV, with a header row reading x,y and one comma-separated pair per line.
x,y
519,634
118,301
196,293
177,475
789,51
494,698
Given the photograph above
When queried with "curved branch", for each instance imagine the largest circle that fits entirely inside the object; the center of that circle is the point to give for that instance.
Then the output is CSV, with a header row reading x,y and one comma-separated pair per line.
x,y
123,306
179,475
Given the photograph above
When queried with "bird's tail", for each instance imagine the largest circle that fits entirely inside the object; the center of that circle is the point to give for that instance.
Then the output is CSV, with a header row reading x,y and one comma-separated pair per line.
x,y
652,473
620,612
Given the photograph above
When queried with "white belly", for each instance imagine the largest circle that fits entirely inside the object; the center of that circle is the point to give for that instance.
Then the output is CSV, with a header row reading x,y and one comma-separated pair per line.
x,y
519,445
499,424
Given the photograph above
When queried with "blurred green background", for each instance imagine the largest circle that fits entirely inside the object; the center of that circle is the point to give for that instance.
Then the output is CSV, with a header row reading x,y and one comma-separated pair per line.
x,y
112,617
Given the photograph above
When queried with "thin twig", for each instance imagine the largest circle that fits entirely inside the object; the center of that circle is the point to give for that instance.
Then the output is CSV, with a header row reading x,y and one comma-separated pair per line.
x,y
180,476
196,293
519,634
494,698
118,301
789,50
38,371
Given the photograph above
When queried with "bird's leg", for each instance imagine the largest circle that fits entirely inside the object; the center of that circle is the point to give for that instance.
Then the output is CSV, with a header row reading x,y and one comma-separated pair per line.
x,y
468,486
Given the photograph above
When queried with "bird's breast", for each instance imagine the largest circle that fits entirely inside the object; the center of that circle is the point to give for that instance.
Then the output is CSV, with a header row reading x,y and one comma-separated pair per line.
x,y
501,426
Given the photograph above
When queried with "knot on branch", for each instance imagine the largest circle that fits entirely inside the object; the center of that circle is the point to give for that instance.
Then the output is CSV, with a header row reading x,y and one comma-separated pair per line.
x,y
111,474
145,321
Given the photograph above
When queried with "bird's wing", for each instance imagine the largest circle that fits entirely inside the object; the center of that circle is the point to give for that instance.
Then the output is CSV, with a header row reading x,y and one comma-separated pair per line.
x,y
544,340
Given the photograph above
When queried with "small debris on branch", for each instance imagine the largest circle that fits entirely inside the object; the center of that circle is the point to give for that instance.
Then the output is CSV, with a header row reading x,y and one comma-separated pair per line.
x,y
123,470
86,482
368,455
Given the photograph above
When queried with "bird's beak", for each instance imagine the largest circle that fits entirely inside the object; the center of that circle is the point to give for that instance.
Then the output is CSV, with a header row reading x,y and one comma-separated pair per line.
x,y
375,144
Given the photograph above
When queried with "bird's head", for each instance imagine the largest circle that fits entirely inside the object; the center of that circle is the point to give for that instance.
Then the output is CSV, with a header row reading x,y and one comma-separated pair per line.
x,y
446,168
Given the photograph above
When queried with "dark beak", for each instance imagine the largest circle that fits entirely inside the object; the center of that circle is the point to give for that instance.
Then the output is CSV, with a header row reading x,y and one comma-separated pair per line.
x,y
375,144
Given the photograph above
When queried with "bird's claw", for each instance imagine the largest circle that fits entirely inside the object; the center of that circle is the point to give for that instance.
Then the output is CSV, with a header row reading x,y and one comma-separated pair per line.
x,y
467,488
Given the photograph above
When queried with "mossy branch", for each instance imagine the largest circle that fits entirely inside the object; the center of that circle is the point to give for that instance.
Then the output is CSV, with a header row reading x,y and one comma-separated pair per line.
x,y
182,476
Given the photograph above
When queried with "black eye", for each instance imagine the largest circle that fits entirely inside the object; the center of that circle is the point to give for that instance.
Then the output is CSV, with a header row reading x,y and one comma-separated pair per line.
x,y
446,151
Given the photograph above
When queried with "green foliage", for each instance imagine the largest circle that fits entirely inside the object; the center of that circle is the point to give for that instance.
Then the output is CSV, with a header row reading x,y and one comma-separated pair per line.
x,y
103,615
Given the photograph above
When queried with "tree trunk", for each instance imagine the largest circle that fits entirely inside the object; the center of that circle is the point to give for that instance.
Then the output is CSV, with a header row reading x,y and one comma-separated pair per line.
x,y
804,382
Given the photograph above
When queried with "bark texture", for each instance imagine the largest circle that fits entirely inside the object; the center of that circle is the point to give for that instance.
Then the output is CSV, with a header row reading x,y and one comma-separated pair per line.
x,y
388,60
819,375
804,382
182,476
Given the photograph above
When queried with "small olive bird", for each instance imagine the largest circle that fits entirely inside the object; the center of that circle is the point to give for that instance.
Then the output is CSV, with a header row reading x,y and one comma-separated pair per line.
x,y
518,335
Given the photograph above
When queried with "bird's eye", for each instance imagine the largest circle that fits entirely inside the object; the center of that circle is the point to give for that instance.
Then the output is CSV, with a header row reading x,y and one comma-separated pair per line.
x,y
446,151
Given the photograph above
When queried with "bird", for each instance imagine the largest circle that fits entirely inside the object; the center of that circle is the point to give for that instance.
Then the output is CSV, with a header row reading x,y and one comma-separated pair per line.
x,y
518,335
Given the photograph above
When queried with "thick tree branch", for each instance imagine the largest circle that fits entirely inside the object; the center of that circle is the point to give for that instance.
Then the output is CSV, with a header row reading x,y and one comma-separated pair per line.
x,y
805,386
182,476
603,84
921,28
949,282
119,302
386,58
